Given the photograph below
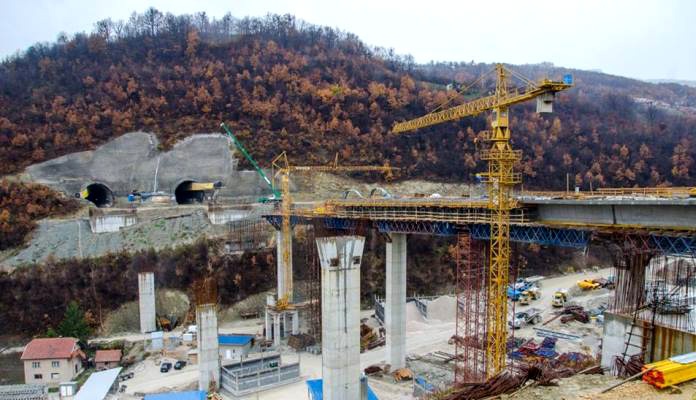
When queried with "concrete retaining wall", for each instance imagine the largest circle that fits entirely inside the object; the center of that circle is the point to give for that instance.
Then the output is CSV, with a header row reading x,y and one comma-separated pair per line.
x,y
614,338
111,223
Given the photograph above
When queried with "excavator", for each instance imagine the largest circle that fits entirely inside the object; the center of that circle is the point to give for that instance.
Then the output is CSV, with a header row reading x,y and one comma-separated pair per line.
x,y
275,194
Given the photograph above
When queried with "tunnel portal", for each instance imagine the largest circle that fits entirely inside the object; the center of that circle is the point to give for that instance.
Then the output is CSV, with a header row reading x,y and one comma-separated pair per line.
x,y
100,195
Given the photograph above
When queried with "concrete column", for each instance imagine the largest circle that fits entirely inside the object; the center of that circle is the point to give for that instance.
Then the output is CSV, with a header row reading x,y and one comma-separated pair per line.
x,y
276,330
269,336
146,301
208,351
395,301
340,259
284,266
295,323
286,326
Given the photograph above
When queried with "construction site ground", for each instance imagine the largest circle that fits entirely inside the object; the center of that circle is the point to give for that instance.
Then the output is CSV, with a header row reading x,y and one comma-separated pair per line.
x,y
424,338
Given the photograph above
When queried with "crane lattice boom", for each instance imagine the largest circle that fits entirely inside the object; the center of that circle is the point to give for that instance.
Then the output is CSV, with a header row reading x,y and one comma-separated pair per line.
x,y
478,106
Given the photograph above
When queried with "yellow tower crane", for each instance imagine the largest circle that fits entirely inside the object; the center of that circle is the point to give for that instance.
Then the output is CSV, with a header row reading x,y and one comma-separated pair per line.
x,y
500,179
283,169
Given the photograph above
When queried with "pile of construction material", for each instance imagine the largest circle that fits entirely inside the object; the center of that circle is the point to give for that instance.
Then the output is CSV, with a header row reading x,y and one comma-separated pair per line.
x,y
543,372
301,341
369,339
574,313
670,372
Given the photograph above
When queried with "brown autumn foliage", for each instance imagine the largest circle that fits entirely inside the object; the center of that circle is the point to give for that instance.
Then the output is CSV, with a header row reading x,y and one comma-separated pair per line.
x,y
21,204
34,297
283,84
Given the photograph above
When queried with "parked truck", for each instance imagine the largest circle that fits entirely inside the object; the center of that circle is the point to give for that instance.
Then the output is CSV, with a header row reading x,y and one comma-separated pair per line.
x,y
559,298
515,290
523,318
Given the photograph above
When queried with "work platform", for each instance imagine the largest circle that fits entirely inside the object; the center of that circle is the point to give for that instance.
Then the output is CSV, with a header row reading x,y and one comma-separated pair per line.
x,y
667,217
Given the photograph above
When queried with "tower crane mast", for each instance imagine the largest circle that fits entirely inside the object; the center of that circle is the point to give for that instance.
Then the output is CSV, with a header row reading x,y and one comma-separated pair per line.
x,y
500,179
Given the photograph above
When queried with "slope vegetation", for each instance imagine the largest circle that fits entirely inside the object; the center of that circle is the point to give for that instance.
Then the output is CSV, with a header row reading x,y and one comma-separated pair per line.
x,y
287,85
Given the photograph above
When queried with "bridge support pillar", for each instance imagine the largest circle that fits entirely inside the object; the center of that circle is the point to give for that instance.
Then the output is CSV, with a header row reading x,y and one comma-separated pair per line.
x,y
268,329
340,259
208,347
284,266
276,330
146,301
395,301
295,323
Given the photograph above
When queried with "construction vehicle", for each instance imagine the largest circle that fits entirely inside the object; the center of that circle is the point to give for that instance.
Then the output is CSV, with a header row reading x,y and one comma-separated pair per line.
x,y
559,298
533,293
515,290
588,284
275,194
136,194
500,180
524,318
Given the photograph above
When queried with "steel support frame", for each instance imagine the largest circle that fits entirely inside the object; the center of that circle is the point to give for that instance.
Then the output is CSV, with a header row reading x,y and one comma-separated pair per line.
x,y
472,311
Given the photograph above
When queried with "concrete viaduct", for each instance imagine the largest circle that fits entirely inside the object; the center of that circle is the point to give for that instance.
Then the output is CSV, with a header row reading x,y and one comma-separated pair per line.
x,y
668,224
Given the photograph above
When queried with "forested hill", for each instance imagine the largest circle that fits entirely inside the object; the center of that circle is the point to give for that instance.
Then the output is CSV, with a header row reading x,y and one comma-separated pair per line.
x,y
287,85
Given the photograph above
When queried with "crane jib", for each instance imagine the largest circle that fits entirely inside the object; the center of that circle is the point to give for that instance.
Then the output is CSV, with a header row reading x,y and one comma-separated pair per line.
x,y
478,106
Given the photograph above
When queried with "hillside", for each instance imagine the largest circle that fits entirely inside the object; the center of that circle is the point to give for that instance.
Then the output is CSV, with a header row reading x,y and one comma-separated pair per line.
x,y
287,85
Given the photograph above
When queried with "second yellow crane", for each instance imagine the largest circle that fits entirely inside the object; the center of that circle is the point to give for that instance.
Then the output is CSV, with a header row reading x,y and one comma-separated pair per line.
x,y
283,169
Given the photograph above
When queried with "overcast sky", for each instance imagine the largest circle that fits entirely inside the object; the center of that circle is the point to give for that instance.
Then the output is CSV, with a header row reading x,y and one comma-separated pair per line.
x,y
640,39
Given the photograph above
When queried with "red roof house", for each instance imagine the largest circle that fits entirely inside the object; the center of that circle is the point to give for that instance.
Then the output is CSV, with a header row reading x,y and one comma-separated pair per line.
x,y
52,360
107,359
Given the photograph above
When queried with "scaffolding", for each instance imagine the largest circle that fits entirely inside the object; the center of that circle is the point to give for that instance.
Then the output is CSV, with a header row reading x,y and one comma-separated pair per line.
x,y
472,311
313,286
656,289
247,235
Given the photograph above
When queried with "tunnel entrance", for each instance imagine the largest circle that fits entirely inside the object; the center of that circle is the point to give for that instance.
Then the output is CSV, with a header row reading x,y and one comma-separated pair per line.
x,y
100,195
185,194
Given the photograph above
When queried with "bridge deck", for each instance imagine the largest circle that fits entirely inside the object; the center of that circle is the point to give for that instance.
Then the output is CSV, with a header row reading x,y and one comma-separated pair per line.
x,y
547,219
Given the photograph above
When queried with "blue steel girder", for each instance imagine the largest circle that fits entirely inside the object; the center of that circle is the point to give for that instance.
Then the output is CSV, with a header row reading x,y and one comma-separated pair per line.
x,y
668,243
276,220
674,244
543,235
419,227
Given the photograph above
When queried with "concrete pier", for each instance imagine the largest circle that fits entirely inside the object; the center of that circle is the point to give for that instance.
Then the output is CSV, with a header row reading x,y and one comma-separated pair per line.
x,y
146,301
208,352
340,259
276,330
269,334
395,301
284,268
295,323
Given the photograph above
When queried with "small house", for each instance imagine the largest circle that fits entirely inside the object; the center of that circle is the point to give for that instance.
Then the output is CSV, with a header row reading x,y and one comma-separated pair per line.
x,y
107,359
234,347
50,361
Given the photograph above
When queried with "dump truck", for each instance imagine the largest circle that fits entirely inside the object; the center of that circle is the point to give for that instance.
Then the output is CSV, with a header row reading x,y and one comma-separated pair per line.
x,y
523,318
559,298
533,293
